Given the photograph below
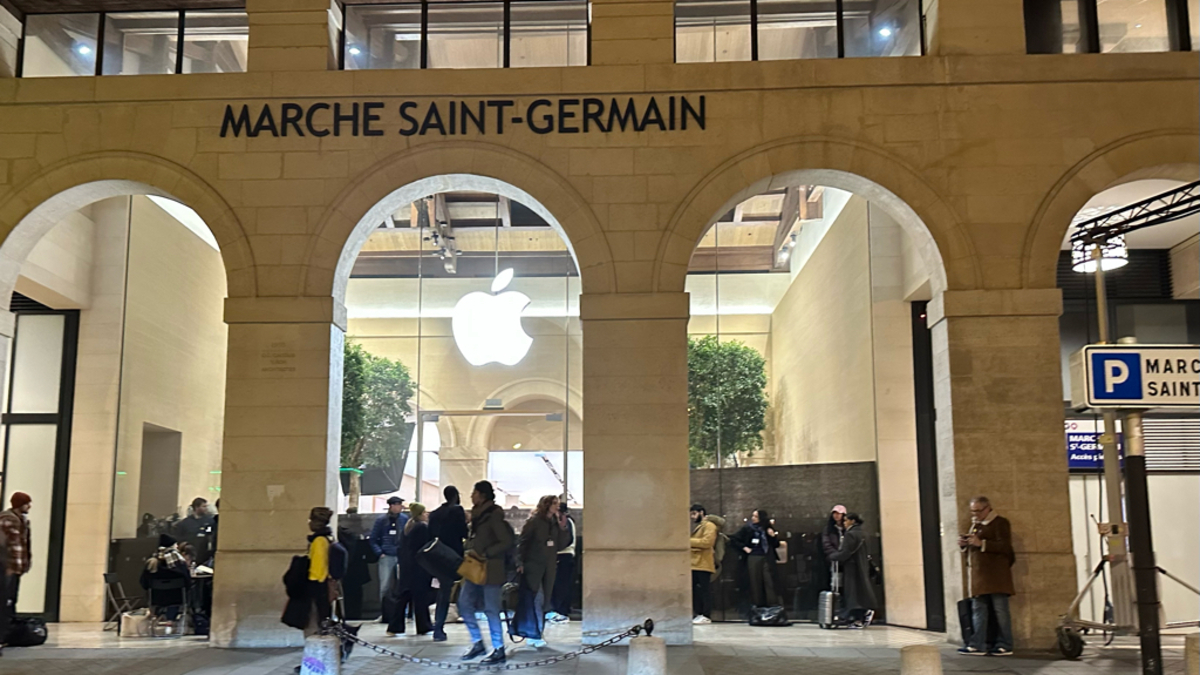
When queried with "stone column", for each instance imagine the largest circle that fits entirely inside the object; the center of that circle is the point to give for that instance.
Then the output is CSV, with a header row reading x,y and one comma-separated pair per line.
x,y
292,35
998,393
974,27
635,464
282,428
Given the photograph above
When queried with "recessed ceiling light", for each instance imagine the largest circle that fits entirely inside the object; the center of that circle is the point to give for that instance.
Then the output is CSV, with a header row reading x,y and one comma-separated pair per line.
x,y
885,32
355,51
84,49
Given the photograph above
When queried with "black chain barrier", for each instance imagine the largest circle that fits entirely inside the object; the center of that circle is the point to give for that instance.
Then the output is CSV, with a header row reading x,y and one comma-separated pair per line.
x,y
337,630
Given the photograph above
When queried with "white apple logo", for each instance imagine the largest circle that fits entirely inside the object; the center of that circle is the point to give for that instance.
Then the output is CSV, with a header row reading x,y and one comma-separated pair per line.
x,y
487,326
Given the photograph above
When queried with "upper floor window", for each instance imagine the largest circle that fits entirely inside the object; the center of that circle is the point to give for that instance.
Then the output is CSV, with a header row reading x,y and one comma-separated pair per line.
x,y
134,43
769,30
466,34
1111,26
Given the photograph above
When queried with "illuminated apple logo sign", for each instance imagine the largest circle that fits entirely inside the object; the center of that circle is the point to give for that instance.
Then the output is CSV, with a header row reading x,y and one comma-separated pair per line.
x,y
487,326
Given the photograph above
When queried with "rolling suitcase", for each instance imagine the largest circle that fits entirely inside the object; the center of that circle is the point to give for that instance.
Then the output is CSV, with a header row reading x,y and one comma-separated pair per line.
x,y
827,602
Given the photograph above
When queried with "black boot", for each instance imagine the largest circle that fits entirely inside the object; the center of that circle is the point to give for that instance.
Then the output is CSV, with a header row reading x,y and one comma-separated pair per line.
x,y
495,658
475,651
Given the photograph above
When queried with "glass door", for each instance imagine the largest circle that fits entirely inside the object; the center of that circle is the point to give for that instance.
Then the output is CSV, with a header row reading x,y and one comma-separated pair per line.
x,y
37,437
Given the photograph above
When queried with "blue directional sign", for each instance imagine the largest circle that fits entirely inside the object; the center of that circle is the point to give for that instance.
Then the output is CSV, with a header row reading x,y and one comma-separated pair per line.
x,y
1136,376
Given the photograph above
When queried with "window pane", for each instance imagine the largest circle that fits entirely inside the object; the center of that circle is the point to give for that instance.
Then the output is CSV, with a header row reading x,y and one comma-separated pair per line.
x,y
883,28
140,43
712,30
548,34
215,42
796,29
32,450
379,37
1133,25
37,363
1053,27
59,45
466,35
1194,23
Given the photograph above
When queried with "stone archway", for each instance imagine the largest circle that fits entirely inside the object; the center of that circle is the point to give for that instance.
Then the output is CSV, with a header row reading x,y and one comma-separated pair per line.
x,y
454,166
38,205
1166,154
855,167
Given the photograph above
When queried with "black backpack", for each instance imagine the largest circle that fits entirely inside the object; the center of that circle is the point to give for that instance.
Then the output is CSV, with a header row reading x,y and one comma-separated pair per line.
x,y
339,560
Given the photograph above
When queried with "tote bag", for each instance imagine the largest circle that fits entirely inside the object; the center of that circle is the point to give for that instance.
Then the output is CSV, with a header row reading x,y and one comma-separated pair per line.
x,y
473,569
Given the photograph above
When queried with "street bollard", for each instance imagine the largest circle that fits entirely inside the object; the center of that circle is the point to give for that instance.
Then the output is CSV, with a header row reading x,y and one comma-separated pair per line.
x,y
322,656
1191,654
920,660
647,656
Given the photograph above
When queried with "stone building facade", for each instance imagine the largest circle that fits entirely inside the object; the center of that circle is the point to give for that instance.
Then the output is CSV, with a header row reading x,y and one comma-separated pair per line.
x,y
978,150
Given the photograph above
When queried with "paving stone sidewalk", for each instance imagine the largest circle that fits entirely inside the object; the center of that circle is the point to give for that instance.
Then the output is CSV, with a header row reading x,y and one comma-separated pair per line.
x,y
720,650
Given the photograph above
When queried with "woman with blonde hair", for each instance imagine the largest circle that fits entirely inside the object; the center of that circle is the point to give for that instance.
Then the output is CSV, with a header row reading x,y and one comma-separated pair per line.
x,y
537,557
415,581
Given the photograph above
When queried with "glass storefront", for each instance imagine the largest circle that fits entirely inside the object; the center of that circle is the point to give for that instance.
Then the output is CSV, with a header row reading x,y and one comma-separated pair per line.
x,y
477,297
801,393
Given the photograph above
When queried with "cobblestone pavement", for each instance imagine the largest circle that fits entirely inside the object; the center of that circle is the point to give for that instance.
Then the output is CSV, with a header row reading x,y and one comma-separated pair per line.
x,y
730,649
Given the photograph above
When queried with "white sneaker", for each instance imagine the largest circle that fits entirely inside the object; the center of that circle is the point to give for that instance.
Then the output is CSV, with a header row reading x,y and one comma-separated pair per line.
x,y
701,620
537,644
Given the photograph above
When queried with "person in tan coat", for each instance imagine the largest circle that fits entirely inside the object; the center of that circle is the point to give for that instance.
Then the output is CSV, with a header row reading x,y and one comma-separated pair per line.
x,y
703,539
989,554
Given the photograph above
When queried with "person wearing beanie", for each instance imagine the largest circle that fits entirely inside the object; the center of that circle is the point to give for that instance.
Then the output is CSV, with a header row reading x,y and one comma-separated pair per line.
x,y
448,523
322,590
15,540
412,589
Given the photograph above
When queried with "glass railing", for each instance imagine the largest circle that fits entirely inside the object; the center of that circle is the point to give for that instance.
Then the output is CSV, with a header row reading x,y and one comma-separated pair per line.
x,y
466,34
134,43
770,30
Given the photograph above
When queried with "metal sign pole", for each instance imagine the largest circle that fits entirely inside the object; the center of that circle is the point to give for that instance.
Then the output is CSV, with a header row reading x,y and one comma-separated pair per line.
x,y
1114,528
1141,540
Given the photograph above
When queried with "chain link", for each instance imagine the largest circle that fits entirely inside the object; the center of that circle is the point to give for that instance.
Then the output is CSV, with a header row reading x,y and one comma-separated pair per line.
x,y
337,630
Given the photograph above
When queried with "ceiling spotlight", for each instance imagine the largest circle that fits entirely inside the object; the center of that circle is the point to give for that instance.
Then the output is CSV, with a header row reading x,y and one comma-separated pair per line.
x,y
885,32
84,49
516,446
355,51
1137,25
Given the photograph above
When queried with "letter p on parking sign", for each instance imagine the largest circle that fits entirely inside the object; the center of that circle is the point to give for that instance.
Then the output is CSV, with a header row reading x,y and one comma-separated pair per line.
x,y
1116,376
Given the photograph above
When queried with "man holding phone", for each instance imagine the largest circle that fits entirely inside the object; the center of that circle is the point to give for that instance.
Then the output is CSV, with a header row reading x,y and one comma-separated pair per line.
x,y
989,556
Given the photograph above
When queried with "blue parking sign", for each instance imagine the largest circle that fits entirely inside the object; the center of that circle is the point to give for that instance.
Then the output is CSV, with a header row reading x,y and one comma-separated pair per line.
x,y
1116,375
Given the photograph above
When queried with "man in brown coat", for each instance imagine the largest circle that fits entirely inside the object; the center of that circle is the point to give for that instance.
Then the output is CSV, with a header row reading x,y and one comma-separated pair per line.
x,y
989,556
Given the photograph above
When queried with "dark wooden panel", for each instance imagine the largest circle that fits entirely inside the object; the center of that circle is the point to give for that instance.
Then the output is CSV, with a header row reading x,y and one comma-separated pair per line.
x,y
733,259
799,498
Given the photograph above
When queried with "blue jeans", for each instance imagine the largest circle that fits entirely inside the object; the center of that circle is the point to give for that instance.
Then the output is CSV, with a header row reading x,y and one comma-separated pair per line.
x,y
387,574
998,603
473,598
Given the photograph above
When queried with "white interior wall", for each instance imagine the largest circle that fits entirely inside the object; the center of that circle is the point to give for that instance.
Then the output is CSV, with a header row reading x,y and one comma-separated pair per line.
x,y
895,423
58,271
1176,531
10,36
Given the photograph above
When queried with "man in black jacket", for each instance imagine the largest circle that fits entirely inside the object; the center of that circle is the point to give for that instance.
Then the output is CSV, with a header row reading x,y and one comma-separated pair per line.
x,y
448,523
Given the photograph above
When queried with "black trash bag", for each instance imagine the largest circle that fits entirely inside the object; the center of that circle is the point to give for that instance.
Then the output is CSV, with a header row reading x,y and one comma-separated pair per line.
x,y
27,631
769,616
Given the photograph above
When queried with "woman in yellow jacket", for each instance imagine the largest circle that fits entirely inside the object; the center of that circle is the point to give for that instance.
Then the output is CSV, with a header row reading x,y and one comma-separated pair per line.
x,y
704,538
320,589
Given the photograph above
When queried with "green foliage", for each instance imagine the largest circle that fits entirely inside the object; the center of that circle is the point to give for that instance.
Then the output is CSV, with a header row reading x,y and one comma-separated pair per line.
x,y
375,403
727,400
